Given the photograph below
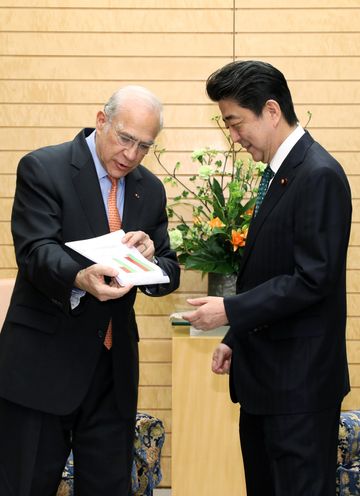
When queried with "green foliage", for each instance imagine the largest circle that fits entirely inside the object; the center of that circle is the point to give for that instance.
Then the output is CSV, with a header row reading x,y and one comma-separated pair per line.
x,y
221,199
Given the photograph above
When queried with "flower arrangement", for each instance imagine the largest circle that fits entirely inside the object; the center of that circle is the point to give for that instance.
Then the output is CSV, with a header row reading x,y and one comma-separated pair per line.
x,y
221,200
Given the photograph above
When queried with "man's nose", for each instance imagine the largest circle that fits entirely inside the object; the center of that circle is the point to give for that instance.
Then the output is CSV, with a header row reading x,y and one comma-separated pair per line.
x,y
234,135
131,153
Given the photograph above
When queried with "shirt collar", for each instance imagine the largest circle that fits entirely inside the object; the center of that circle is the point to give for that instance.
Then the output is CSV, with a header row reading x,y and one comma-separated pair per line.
x,y
286,146
101,172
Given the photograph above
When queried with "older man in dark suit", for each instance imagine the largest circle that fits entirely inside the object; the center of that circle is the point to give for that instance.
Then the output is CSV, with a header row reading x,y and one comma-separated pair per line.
x,y
285,349
69,344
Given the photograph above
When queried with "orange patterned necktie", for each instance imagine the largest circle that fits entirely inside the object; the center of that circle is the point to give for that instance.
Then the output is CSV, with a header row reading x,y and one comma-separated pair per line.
x,y
114,225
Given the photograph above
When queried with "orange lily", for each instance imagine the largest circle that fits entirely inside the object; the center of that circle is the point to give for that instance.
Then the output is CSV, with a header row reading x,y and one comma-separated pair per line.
x,y
216,222
238,238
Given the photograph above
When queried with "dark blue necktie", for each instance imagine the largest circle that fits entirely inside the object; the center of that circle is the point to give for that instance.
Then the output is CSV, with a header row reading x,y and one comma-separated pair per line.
x,y
263,187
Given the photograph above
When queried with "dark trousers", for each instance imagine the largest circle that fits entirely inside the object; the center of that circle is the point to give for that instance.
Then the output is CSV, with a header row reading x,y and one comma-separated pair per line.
x,y
34,446
290,455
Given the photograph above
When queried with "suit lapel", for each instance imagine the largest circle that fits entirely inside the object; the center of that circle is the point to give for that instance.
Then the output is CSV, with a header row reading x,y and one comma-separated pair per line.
x,y
134,200
86,184
281,182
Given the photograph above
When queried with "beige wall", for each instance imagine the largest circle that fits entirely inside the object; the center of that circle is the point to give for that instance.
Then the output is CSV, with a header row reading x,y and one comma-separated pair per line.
x,y
61,59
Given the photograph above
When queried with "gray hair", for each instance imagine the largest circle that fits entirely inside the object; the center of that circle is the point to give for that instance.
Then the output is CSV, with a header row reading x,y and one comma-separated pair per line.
x,y
121,96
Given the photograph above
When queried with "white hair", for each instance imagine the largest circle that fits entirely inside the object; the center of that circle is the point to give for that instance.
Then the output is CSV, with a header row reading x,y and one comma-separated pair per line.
x,y
123,95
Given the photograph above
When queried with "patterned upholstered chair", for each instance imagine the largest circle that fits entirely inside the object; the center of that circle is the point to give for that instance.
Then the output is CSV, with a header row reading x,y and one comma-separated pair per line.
x,y
348,462
146,471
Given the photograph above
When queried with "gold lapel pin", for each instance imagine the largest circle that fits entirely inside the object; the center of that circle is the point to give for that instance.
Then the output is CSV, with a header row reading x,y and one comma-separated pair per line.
x,y
283,181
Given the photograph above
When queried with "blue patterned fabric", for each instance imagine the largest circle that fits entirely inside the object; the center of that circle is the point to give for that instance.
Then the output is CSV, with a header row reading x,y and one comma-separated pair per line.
x,y
348,462
263,187
146,470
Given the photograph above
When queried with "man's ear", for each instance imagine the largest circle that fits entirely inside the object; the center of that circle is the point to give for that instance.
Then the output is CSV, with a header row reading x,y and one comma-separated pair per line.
x,y
274,110
100,120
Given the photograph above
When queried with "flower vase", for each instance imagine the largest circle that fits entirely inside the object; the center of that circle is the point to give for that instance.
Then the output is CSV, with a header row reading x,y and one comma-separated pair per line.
x,y
221,284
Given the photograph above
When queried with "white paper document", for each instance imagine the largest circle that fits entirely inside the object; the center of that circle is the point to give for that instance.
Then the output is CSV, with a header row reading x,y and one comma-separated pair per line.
x,y
132,267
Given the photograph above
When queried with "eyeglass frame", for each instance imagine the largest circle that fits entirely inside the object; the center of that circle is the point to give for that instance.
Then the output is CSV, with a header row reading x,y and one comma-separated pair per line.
x,y
128,141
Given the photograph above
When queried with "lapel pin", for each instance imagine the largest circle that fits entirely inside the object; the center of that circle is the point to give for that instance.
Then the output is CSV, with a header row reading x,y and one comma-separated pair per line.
x,y
137,195
283,181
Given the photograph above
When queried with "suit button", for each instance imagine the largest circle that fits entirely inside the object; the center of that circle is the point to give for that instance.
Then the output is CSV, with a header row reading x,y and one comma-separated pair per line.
x,y
255,329
101,334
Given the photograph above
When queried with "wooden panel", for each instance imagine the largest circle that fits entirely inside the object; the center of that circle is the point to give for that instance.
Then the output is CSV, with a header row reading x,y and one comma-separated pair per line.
x,y
114,67
257,45
353,261
7,185
355,186
355,375
297,4
175,116
290,21
115,20
353,328
66,92
353,351
5,233
154,327
131,44
355,232
155,374
353,305
165,68
155,350
166,468
9,161
150,396
7,257
329,92
125,4
353,281
170,92
166,451
5,208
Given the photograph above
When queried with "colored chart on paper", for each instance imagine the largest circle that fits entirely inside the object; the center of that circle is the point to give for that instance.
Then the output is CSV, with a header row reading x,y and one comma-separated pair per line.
x,y
131,264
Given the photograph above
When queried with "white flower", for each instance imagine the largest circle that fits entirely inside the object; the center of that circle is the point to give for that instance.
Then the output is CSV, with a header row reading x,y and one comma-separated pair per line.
x,y
176,238
205,171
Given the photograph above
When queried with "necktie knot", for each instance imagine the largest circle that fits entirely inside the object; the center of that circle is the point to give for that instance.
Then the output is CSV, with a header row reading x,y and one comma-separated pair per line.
x,y
263,187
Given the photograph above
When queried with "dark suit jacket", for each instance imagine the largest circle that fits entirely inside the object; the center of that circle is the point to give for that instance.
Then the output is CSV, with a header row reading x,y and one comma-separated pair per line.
x,y
48,352
287,324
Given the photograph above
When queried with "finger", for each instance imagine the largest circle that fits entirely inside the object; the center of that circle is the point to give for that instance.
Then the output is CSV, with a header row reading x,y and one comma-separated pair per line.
x,y
104,270
197,302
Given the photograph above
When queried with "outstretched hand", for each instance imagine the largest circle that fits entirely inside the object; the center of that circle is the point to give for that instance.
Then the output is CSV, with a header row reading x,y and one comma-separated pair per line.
x,y
210,314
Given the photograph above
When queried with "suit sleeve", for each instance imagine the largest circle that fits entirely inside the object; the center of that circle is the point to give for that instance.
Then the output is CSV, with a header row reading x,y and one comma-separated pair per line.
x,y
37,233
166,258
321,231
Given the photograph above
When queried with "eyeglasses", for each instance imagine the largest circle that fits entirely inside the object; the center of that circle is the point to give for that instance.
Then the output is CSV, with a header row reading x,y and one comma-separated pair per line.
x,y
128,142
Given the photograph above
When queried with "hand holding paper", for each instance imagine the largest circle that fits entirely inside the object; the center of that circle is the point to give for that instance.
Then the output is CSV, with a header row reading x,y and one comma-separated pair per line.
x,y
132,267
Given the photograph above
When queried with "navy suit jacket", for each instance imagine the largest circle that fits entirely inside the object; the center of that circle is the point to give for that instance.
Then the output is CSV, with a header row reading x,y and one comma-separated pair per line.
x,y
287,322
48,353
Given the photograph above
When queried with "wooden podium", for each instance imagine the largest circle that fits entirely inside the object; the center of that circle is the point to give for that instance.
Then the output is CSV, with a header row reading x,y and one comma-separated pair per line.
x,y
206,456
